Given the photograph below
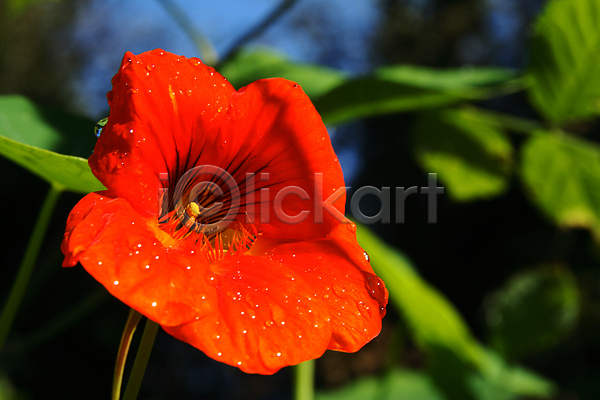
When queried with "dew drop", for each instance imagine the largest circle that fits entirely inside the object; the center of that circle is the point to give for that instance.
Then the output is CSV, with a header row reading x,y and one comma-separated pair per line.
x,y
340,291
153,304
195,61
116,283
150,67
352,227
366,256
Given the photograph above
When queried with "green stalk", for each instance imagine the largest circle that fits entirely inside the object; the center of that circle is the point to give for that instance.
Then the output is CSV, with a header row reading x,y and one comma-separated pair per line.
x,y
207,52
141,360
132,322
27,263
304,376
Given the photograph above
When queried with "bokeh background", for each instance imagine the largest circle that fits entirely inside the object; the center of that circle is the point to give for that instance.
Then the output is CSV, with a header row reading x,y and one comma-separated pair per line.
x,y
500,299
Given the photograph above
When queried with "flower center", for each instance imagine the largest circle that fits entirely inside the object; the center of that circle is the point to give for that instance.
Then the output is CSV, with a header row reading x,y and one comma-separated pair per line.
x,y
204,211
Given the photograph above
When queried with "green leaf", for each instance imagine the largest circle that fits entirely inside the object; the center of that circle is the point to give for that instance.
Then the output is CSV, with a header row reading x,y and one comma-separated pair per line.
x,y
433,321
372,96
396,385
409,88
534,311
463,79
28,133
468,150
562,175
499,381
247,67
66,172
565,60
26,122
458,359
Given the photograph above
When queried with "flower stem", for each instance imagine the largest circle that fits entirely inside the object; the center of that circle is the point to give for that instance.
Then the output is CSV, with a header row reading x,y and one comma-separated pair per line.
x,y
27,263
207,52
256,31
132,321
141,360
304,381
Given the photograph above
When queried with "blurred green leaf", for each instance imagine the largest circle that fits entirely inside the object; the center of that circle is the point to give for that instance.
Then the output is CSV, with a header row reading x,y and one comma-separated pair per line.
x,y
460,367
463,79
26,137
247,67
372,96
565,60
7,390
498,381
45,127
409,88
468,150
533,311
434,322
562,175
396,385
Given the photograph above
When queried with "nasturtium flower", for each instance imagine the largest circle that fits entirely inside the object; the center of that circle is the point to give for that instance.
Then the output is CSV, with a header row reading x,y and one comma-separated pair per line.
x,y
223,217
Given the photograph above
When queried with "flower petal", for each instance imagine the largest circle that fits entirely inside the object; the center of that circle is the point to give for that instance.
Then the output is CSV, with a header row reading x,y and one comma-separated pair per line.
x,y
164,108
274,132
120,250
281,306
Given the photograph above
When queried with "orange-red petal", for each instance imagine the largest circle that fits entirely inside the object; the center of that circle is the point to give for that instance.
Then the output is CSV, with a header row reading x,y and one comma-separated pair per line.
x,y
164,109
289,302
120,249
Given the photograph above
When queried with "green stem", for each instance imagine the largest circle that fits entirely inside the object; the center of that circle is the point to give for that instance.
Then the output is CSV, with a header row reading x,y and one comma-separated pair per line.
x,y
304,388
27,263
132,322
207,52
141,360
256,31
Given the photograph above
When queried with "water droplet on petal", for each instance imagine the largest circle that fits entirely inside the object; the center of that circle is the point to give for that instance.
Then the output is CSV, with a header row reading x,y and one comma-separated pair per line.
x,y
195,61
150,67
340,291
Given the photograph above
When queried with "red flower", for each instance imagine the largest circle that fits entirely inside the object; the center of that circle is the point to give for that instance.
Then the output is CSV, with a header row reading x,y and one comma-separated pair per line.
x,y
216,223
